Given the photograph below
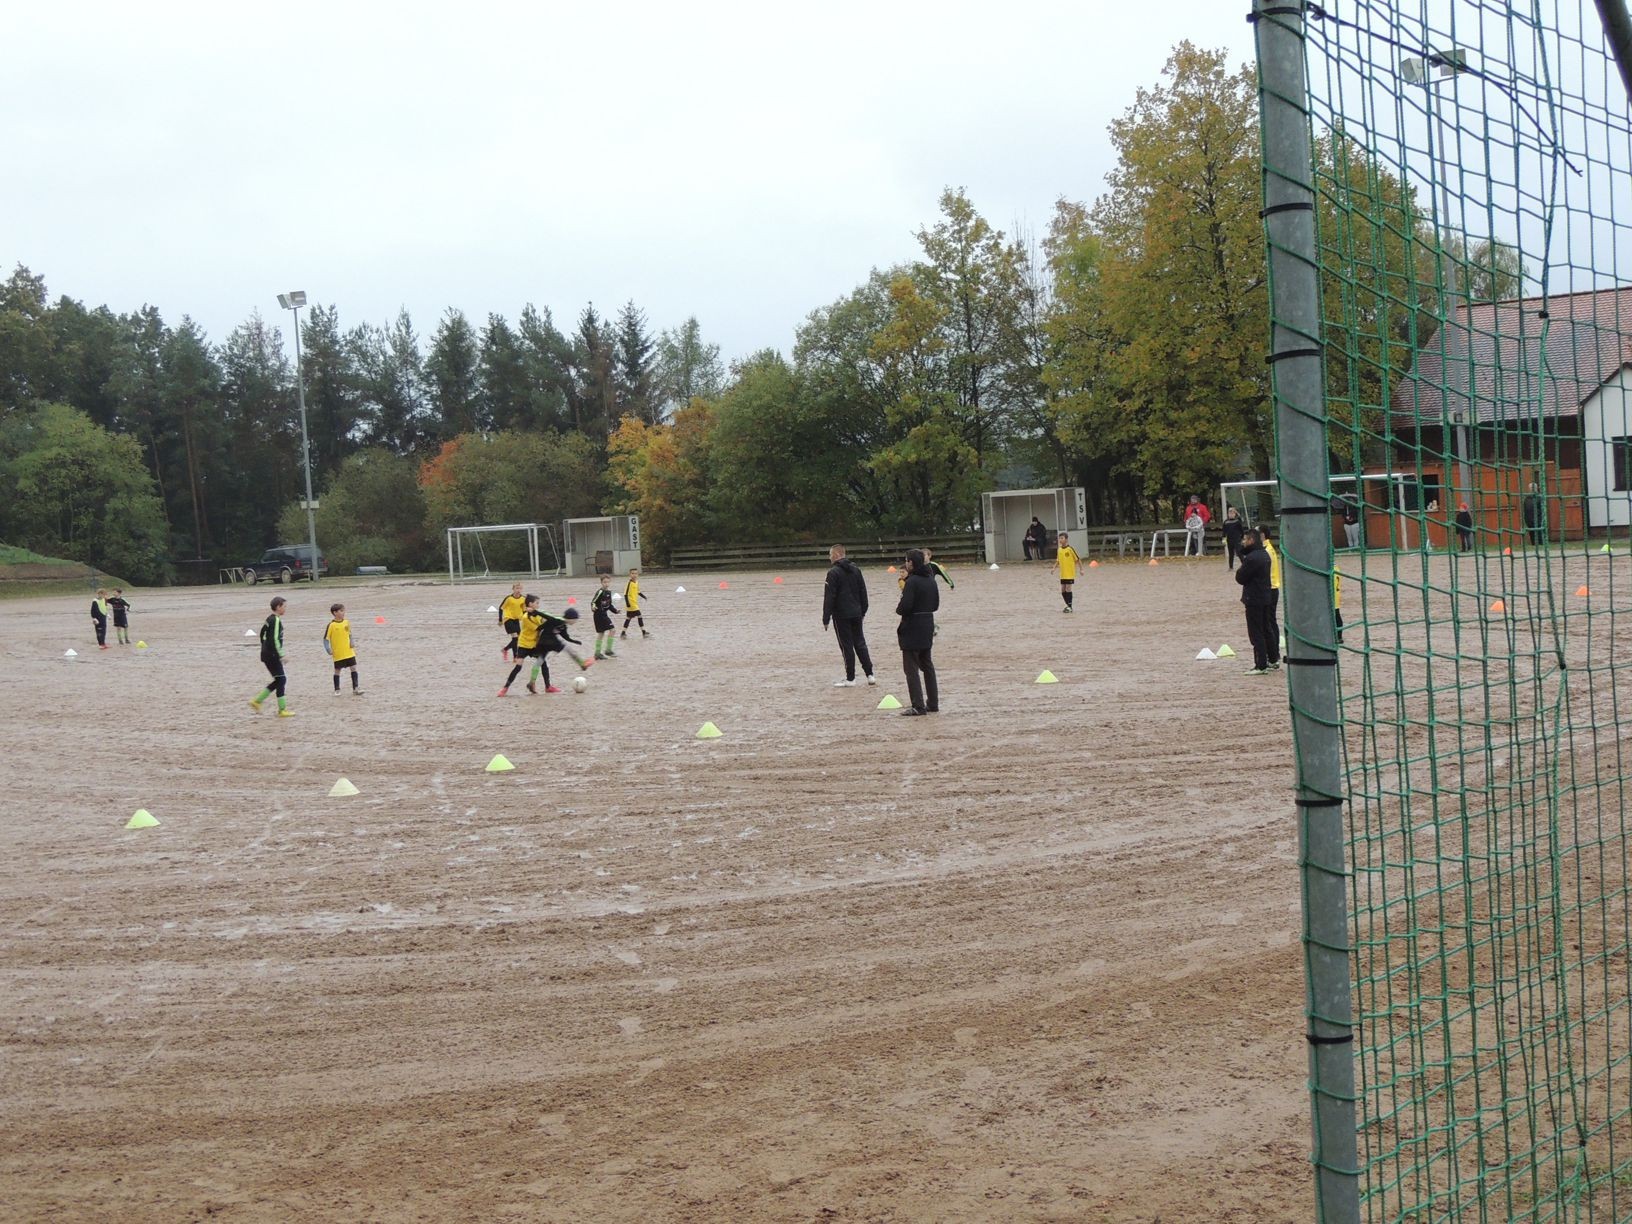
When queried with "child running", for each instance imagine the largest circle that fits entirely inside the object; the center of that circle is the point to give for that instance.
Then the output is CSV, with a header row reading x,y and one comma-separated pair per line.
x,y
601,607
272,656
1066,561
99,617
939,570
631,605
510,608
121,615
338,646
539,637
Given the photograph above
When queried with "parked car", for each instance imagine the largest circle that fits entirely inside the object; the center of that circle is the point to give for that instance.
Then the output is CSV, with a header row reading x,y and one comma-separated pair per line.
x,y
286,565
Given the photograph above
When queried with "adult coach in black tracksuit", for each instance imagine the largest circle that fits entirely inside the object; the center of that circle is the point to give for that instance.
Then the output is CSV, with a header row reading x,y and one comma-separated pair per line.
x,y
920,597
844,604
1259,599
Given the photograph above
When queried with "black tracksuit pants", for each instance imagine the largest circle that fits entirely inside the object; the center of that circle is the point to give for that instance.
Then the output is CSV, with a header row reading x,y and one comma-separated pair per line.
x,y
1261,632
852,644
924,693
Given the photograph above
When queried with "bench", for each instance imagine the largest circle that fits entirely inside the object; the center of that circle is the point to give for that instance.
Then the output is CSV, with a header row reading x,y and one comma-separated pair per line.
x,y
1122,540
234,573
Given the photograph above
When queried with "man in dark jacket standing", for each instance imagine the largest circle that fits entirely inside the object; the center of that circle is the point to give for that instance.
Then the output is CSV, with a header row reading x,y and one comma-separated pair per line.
x,y
920,597
844,604
1259,599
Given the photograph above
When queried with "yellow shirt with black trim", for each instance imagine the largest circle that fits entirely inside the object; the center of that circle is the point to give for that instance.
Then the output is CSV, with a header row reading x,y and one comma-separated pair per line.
x,y
337,633
1274,566
1067,560
631,595
512,607
532,622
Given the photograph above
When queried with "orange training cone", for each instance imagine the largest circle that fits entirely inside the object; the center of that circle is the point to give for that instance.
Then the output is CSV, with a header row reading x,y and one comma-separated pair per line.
x,y
1498,606
1093,565
1582,592
891,570
777,580
571,599
1507,552
1153,560
379,620
724,586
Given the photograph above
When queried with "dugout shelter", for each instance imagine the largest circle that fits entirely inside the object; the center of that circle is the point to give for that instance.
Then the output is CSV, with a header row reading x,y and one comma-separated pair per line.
x,y
609,544
1007,513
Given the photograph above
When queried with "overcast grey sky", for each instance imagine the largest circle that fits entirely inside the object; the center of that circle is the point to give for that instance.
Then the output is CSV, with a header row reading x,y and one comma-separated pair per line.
x,y
745,163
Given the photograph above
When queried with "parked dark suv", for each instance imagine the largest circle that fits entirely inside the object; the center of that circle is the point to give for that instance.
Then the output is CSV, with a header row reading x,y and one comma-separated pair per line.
x,y
286,565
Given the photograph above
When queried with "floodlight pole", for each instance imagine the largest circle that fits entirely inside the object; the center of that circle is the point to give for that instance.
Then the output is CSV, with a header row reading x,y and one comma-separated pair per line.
x,y
293,301
1298,391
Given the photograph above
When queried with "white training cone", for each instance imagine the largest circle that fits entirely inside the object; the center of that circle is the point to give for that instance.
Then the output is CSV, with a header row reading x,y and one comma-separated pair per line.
x,y
70,653
993,565
679,590
249,633
492,608
1206,654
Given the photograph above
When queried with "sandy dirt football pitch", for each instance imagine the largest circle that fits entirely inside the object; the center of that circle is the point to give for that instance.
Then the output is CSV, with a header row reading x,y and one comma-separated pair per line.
x,y
1033,958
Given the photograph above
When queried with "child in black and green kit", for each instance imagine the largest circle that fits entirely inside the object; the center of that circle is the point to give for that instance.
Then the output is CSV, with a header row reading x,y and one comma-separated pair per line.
x,y
272,656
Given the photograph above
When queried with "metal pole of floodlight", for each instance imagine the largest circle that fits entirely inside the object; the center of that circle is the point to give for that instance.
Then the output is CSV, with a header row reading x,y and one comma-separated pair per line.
x,y
293,302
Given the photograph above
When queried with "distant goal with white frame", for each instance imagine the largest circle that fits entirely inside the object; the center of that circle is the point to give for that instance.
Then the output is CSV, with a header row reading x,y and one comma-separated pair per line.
x,y
468,551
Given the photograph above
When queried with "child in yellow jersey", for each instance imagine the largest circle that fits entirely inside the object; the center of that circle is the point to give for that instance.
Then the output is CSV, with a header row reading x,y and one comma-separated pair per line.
x,y
1337,603
1274,585
1066,561
631,605
510,608
337,645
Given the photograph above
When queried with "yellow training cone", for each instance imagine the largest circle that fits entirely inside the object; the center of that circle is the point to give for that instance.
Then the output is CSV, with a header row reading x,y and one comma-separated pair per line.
x,y
1225,652
709,731
141,645
1047,677
342,788
143,819
499,764
889,702
1606,548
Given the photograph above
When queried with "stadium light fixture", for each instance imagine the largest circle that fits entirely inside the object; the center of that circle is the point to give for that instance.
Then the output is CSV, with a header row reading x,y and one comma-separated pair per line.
x,y
293,301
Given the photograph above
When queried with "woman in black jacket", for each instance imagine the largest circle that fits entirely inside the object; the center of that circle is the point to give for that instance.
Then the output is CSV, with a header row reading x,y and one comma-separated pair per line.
x,y
916,634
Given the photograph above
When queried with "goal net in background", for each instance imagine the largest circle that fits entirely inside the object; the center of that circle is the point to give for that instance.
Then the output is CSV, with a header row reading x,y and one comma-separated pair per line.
x,y
1447,192
502,550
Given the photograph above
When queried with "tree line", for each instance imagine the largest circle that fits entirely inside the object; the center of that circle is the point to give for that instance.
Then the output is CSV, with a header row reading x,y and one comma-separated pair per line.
x,y
1122,350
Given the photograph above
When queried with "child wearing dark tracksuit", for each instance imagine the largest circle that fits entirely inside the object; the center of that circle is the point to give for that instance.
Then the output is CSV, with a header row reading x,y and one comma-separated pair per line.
x,y
539,637
121,615
272,655
601,607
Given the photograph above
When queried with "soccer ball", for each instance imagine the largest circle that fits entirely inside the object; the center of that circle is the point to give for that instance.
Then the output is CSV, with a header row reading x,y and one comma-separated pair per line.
x,y
580,685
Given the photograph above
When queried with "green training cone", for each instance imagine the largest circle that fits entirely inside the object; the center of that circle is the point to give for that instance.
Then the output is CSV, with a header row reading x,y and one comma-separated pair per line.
x,y
1606,547
1225,651
499,764
143,819
342,788
709,731
889,702
1047,677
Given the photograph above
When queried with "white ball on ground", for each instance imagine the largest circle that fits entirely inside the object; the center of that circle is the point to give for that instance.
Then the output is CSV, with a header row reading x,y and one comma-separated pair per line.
x,y
580,684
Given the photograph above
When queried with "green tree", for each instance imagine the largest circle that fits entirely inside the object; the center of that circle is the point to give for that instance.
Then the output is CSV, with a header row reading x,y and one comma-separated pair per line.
x,y
662,473
547,357
636,366
687,368
25,343
81,492
263,437
1183,281
391,386
332,411
191,383
594,396
452,373
507,399
371,513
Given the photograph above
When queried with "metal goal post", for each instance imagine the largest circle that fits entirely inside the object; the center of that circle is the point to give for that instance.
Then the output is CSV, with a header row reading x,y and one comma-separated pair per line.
x,y
467,556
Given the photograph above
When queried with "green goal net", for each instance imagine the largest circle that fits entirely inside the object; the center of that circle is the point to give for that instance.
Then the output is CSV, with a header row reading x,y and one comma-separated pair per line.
x,y
1448,201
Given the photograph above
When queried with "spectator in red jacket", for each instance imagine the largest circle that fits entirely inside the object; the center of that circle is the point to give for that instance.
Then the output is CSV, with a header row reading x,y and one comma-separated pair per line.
x,y
1196,518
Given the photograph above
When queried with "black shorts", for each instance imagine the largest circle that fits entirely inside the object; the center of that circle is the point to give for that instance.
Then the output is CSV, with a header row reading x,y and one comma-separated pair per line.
x,y
603,621
512,626
275,666
351,662
524,652
1067,581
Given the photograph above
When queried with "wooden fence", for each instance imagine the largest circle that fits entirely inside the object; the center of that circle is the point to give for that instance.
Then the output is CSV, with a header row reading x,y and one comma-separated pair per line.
x,y
964,546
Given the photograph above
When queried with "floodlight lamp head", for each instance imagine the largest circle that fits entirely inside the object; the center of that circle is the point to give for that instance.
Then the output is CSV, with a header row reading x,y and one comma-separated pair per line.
x,y
293,300
1411,70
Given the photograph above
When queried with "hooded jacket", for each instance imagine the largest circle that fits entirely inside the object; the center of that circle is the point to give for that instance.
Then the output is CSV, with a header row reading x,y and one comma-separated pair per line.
x,y
1253,575
919,600
846,593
